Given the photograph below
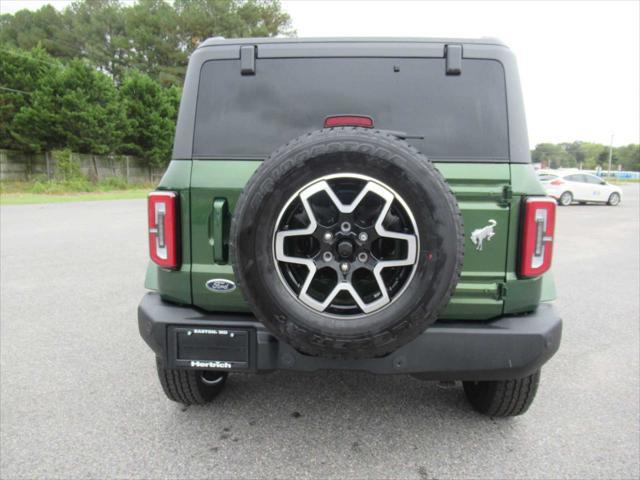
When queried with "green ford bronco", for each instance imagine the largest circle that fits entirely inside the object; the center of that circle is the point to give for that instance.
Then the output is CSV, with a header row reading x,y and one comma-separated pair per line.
x,y
360,204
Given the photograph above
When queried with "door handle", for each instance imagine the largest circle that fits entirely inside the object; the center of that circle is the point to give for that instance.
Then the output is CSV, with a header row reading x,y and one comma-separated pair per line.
x,y
220,231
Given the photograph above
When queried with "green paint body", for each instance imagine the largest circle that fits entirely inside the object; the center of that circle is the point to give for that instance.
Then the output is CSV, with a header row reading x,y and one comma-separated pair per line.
x,y
488,287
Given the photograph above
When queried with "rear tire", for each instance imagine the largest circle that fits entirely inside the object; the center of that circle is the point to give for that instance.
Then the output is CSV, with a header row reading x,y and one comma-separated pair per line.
x,y
566,199
614,199
504,398
190,387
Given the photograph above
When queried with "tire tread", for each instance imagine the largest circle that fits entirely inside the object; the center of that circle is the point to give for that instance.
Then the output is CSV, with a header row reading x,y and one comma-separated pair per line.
x,y
503,398
305,339
183,386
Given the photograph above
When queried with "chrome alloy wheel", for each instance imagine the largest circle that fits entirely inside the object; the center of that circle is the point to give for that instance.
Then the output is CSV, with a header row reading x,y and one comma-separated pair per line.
x,y
346,245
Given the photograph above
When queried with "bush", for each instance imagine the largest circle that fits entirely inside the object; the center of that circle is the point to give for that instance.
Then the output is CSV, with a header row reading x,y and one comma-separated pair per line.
x,y
76,185
68,169
113,183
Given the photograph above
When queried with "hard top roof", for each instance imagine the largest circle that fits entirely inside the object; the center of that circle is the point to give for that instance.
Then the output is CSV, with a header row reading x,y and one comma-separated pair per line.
x,y
215,41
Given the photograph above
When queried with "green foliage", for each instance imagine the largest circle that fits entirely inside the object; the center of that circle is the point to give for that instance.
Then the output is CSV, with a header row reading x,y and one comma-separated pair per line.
x,y
80,185
67,168
75,108
46,27
628,156
552,155
102,76
153,36
150,111
21,73
586,155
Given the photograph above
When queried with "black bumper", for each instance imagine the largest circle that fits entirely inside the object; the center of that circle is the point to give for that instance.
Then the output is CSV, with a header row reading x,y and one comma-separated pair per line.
x,y
507,348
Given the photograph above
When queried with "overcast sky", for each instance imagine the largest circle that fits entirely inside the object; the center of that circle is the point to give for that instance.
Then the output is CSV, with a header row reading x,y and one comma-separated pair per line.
x,y
579,61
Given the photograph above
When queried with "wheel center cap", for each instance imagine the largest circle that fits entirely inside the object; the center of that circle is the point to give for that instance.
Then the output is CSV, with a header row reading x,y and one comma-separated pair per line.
x,y
345,249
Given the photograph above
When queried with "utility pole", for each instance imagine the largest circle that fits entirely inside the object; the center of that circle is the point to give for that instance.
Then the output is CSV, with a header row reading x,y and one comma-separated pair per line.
x,y
610,155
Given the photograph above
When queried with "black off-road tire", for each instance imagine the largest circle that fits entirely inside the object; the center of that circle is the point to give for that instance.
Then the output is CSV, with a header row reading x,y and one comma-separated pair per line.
x,y
190,387
506,398
375,154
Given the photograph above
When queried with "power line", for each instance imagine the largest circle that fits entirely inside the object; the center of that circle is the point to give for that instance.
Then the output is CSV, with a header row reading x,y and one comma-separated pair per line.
x,y
30,57
14,90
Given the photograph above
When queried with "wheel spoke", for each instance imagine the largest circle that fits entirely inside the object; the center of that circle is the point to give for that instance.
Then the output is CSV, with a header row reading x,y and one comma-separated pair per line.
x,y
344,283
309,230
342,286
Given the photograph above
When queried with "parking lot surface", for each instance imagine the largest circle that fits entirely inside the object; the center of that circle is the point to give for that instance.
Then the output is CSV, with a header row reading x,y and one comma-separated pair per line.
x,y
79,395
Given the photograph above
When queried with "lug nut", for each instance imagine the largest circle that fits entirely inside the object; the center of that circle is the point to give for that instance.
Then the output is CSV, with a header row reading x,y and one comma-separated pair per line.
x,y
363,257
345,227
363,237
327,256
344,266
328,237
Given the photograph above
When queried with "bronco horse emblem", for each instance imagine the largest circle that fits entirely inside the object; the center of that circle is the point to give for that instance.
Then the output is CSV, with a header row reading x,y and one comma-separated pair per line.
x,y
479,235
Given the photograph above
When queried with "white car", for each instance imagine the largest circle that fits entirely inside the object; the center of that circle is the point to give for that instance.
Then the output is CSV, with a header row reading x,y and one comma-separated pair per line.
x,y
576,186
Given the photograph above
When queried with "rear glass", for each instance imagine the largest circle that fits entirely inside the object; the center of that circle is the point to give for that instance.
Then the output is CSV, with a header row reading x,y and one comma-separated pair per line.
x,y
545,177
460,117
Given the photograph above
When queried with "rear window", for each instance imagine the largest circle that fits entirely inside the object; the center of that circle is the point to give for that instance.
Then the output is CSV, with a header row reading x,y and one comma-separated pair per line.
x,y
545,177
460,117
576,178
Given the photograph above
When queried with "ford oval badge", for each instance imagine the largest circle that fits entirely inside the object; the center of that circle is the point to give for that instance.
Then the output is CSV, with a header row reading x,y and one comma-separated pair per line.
x,y
220,285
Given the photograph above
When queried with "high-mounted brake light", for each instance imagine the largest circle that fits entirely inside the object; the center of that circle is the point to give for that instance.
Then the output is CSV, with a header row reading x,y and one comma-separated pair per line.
x,y
348,121
163,228
536,243
557,182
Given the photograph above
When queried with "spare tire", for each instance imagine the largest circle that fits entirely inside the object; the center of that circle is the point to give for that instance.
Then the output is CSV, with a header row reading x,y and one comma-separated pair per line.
x,y
346,243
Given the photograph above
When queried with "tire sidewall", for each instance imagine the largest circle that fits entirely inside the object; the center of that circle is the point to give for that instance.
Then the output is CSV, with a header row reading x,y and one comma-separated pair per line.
x,y
382,158
613,196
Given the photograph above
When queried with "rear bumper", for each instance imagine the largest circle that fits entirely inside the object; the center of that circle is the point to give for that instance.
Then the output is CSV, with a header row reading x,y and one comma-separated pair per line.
x,y
507,348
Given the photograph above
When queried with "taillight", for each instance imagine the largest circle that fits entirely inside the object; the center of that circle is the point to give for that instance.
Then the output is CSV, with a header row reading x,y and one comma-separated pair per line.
x,y
557,182
163,228
536,243
348,121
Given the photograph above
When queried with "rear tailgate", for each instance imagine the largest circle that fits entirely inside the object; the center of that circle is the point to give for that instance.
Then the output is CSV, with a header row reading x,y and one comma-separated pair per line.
x,y
481,191
241,118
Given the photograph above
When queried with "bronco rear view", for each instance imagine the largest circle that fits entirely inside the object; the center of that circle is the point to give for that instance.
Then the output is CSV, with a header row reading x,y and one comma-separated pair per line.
x,y
361,204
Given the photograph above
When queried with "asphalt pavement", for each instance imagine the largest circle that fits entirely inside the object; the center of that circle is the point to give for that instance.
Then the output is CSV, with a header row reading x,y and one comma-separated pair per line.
x,y
79,397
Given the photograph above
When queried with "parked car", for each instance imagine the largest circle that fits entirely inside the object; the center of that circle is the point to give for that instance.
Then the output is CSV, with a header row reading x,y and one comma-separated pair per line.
x,y
352,204
575,186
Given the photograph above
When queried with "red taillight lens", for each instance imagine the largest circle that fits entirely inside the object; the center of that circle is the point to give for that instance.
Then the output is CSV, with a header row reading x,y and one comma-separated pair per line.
x,y
163,228
348,121
536,244
557,182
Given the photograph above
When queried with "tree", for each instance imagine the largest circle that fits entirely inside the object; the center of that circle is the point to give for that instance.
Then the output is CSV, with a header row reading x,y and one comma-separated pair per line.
x,y
586,155
592,153
100,31
152,26
201,19
153,36
46,28
21,73
150,118
575,151
628,156
552,156
75,108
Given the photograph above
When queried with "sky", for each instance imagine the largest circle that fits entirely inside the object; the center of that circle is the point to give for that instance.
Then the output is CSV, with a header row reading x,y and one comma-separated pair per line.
x,y
579,61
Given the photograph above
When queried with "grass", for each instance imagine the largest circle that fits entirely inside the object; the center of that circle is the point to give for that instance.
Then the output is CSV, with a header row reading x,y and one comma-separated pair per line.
x,y
622,181
77,190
